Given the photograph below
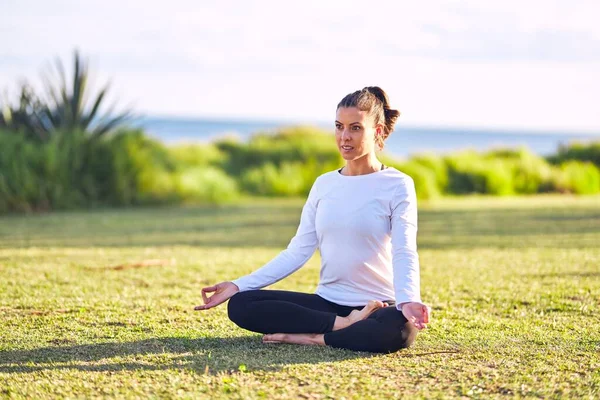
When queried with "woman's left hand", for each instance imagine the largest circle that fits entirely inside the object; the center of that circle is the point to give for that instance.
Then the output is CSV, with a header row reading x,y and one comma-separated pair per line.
x,y
417,314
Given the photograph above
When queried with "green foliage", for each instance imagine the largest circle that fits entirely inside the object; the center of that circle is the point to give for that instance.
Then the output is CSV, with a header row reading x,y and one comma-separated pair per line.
x,y
578,152
437,165
579,178
529,173
465,173
206,184
35,176
289,179
68,170
423,177
67,106
140,170
295,144
194,155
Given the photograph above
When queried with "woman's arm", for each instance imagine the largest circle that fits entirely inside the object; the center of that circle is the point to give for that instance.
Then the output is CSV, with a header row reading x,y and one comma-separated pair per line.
x,y
301,247
405,259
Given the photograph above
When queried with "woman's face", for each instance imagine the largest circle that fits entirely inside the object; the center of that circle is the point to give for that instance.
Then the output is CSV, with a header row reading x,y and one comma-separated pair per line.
x,y
355,132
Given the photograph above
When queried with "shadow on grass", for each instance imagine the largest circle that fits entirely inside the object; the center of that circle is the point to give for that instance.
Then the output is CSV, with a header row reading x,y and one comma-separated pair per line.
x,y
203,355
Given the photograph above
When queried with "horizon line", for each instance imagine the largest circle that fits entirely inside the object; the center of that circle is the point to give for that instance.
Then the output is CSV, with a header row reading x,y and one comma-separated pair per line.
x,y
283,122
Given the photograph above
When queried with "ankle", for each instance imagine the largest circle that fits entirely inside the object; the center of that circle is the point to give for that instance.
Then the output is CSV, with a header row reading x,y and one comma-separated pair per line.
x,y
340,323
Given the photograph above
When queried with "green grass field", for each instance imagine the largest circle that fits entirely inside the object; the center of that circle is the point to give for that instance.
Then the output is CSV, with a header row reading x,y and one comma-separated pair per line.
x,y
514,285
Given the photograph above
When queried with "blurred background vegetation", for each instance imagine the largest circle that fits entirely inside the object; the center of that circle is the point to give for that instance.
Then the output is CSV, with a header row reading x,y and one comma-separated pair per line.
x,y
57,151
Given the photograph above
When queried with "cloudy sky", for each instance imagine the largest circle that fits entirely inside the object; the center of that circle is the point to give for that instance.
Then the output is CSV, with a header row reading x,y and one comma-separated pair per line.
x,y
524,64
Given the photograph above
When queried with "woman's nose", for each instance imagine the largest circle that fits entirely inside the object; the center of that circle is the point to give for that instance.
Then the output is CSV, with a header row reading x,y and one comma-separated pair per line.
x,y
345,134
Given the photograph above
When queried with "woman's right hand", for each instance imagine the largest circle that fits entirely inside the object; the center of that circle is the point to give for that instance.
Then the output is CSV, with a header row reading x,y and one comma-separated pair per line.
x,y
222,292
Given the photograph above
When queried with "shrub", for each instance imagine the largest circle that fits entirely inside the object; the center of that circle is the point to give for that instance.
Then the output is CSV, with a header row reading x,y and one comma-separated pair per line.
x,y
206,184
194,155
578,177
437,166
424,178
470,172
69,170
290,179
577,152
465,173
296,144
530,173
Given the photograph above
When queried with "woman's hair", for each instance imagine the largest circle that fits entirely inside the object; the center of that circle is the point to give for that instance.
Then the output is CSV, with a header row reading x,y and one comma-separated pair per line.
x,y
375,102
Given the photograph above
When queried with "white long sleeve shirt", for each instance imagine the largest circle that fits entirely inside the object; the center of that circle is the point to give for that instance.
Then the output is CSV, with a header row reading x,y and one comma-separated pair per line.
x,y
365,227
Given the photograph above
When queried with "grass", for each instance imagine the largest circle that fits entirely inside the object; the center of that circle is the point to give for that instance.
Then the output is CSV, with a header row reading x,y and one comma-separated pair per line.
x,y
514,285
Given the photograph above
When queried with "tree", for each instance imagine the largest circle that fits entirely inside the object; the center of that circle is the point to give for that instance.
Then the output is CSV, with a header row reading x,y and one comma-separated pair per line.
x,y
67,105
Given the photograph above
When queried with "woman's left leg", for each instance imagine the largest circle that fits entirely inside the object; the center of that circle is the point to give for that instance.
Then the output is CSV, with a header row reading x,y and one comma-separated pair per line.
x,y
385,331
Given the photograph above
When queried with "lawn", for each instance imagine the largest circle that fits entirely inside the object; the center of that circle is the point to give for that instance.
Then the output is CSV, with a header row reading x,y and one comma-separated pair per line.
x,y
100,304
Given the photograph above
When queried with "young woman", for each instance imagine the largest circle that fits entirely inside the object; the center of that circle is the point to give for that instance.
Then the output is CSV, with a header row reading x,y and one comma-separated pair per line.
x,y
363,219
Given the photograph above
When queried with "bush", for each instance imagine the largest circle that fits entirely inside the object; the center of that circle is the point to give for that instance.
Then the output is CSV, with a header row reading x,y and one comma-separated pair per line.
x,y
296,144
469,172
194,155
290,179
424,178
530,173
577,152
578,177
138,170
437,166
70,170
40,176
464,173
206,184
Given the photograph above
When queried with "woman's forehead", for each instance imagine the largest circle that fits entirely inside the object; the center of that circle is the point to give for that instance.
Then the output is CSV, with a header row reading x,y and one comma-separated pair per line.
x,y
350,115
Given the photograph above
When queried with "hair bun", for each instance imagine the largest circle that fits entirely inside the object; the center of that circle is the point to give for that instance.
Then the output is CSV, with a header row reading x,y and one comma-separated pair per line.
x,y
380,94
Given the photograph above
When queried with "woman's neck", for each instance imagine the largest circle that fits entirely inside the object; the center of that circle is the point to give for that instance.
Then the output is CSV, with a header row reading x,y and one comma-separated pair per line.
x,y
361,166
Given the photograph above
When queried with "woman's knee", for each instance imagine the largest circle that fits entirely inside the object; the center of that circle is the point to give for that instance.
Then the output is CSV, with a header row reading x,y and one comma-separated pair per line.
x,y
236,307
404,335
396,331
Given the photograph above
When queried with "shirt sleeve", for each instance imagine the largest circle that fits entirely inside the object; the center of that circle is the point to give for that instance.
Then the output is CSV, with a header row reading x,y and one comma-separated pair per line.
x,y
405,259
300,249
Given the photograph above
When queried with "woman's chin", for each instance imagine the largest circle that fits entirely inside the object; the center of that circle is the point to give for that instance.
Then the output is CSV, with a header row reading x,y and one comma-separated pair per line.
x,y
349,157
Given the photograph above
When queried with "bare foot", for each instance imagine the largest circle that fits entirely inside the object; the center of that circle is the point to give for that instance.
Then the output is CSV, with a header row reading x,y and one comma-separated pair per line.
x,y
295,338
358,315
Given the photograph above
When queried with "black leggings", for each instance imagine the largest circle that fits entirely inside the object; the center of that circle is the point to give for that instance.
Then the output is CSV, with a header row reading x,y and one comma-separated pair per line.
x,y
277,311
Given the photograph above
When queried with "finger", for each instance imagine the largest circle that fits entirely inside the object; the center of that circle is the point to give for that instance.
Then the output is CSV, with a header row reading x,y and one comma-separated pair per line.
x,y
205,290
425,312
209,289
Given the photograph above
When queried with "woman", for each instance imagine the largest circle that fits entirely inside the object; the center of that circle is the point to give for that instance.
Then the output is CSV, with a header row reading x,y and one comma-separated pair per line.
x,y
363,218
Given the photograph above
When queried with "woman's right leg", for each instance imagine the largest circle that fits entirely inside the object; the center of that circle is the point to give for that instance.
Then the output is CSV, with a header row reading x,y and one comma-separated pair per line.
x,y
280,311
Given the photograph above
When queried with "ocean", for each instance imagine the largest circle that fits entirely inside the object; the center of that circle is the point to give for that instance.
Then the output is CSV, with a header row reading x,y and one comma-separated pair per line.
x,y
403,142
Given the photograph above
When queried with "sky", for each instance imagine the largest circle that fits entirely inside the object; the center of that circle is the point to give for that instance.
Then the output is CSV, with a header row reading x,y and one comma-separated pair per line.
x,y
532,65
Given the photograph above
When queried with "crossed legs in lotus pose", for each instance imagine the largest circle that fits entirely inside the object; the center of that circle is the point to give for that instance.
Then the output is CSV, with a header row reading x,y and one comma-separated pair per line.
x,y
303,318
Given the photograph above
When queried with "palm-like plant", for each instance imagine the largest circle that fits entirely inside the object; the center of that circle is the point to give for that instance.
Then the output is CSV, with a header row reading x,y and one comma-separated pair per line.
x,y
67,106
24,117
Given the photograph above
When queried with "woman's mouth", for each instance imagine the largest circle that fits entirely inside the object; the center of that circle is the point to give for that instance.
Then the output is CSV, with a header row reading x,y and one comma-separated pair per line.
x,y
347,148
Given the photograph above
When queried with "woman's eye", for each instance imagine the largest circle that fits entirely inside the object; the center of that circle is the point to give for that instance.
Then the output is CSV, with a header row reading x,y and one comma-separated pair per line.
x,y
338,126
356,127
